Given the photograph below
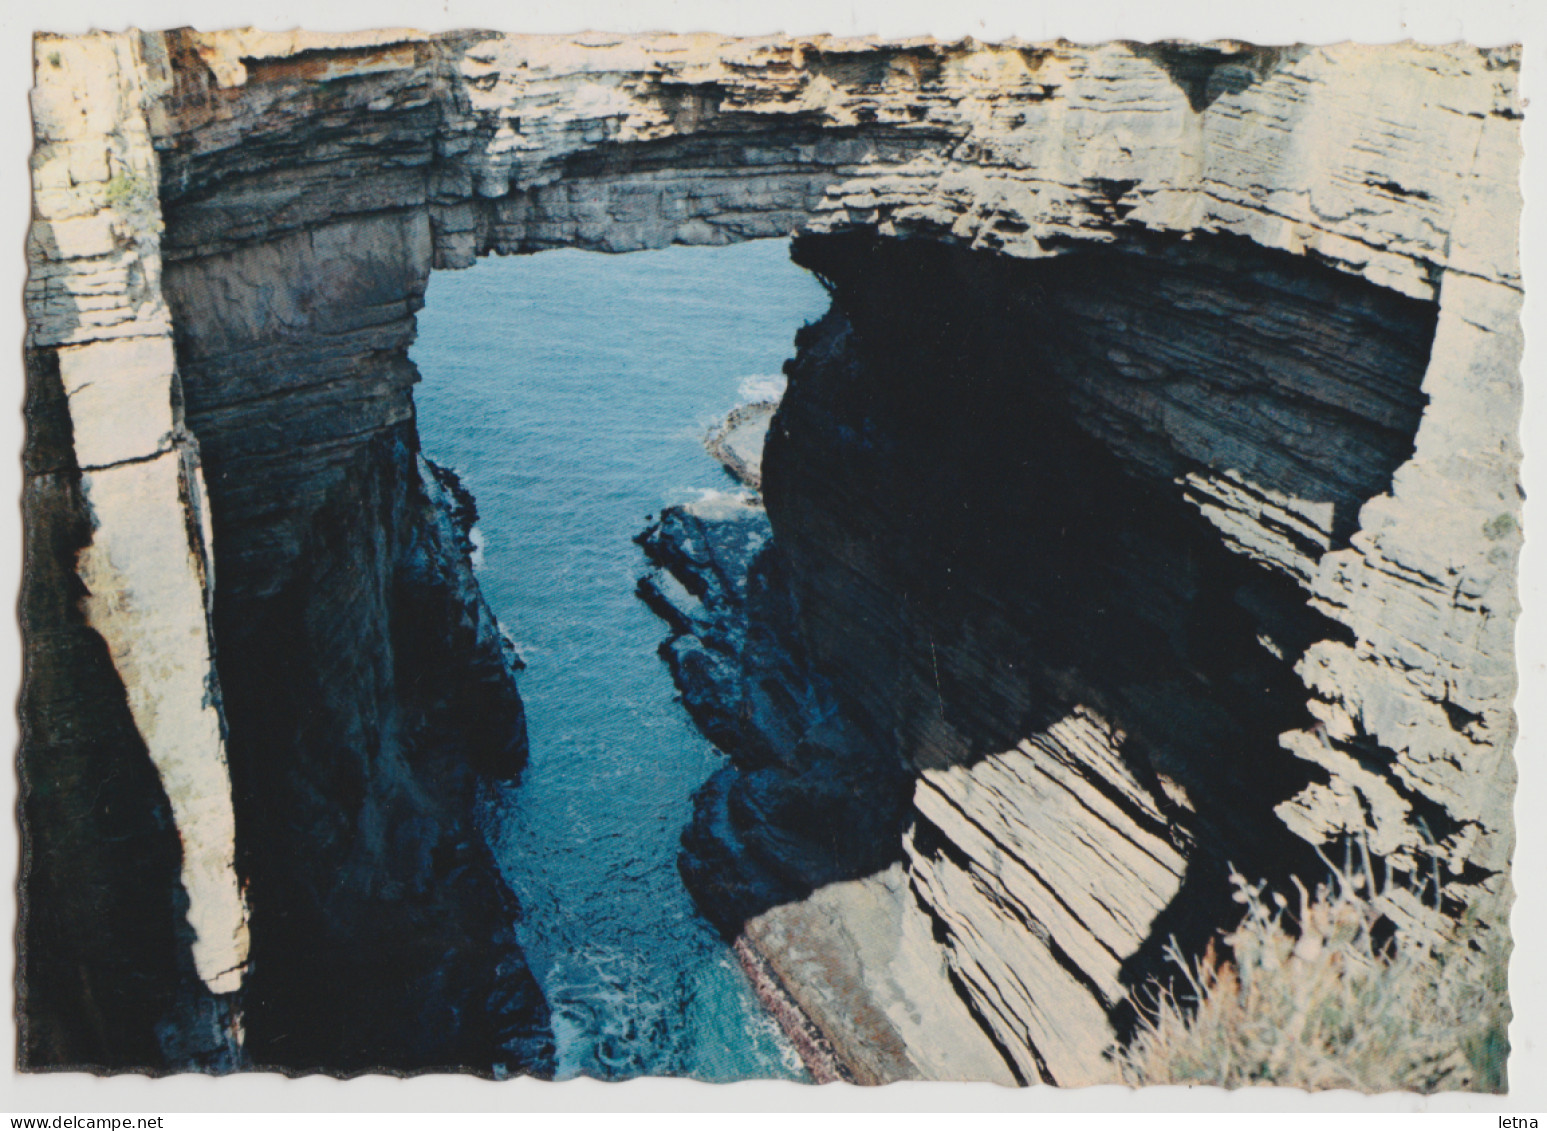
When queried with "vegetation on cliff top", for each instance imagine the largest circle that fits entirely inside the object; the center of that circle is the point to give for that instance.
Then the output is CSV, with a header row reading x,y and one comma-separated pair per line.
x,y
1331,995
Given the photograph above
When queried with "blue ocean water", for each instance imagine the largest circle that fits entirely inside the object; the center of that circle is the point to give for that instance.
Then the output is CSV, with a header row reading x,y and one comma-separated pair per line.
x,y
571,392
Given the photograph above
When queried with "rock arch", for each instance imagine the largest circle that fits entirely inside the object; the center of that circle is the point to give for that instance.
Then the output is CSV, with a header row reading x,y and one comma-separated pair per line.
x,y
233,231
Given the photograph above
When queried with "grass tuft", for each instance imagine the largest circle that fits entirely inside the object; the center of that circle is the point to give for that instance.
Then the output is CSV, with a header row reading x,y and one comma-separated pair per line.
x,y
127,192
1333,995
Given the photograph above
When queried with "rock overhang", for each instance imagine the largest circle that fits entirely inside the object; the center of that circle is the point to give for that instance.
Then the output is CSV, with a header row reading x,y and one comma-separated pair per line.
x,y
1396,164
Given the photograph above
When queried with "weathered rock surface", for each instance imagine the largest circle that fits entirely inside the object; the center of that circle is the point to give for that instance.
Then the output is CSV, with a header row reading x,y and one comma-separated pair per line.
x,y
861,956
829,927
347,817
390,941
1014,595
119,555
1242,323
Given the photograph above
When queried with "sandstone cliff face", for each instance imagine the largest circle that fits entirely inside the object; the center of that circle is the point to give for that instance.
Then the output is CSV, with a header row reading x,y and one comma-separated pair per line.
x,y
385,936
115,614
1254,310
1004,596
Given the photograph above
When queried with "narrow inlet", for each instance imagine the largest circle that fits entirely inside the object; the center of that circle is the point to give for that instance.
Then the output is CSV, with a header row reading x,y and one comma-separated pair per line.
x,y
571,392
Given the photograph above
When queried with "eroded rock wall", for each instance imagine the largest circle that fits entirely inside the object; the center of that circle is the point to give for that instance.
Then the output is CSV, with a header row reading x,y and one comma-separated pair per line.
x,y
384,937
370,695
1396,164
1088,684
987,557
127,818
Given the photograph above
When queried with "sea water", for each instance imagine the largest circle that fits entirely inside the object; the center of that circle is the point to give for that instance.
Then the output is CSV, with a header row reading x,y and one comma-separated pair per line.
x,y
571,391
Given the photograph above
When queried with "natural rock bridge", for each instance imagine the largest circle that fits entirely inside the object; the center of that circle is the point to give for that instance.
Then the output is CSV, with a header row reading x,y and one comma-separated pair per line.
x,y
1252,315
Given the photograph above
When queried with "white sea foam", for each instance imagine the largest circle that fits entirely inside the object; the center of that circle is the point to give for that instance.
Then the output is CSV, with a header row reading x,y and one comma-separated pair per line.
x,y
712,504
762,387
706,499
522,650
611,1016
762,1030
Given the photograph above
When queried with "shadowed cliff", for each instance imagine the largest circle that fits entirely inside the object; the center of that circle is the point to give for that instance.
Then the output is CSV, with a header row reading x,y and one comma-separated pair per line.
x,y
987,550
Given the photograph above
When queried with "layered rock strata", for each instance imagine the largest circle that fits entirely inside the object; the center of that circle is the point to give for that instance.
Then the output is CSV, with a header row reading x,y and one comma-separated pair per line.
x,y
987,558
383,936
1315,447
126,807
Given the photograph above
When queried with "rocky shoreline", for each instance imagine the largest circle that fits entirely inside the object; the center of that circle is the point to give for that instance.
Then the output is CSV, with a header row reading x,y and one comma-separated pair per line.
x,y
980,774
816,1052
830,934
698,589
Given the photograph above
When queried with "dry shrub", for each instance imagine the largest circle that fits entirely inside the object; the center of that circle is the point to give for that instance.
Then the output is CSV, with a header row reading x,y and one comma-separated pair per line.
x,y
1333,995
